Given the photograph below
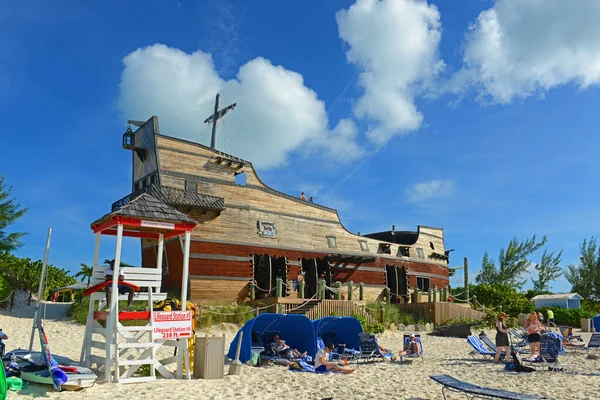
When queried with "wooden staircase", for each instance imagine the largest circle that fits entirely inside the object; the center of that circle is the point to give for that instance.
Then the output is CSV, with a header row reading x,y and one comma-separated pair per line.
x,y
305,308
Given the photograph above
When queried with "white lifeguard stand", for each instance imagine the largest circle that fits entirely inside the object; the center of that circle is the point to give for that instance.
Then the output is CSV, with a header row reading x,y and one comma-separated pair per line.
x,y
126,348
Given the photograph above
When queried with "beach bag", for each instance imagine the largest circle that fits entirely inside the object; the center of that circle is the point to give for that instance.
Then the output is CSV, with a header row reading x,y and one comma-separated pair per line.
x,y
254,359
519,367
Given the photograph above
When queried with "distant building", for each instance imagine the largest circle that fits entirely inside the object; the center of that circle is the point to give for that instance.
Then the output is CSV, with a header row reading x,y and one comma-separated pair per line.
x,y
562,300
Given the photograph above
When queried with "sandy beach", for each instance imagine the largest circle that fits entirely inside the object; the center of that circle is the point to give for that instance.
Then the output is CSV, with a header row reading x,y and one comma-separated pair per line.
x,y
379,380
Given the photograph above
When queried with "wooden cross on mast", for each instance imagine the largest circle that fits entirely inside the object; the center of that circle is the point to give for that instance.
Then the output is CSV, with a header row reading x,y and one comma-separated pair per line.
x,y
217,115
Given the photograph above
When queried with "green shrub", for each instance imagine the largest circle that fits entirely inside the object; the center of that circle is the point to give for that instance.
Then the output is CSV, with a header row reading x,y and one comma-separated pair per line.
x,y
214,315
459,321
374,327
512,302
491,317
5,291
570,317
391,314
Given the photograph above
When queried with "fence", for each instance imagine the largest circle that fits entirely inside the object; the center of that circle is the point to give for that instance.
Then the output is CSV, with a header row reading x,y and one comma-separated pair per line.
x,y
439,311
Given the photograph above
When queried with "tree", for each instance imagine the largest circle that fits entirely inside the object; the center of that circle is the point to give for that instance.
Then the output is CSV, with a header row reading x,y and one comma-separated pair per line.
x,y
10,211
585,277
548,270
85,273
512,263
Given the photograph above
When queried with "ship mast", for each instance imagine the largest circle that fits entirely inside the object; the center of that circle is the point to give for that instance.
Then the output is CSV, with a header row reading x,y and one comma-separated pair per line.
x,y
217,115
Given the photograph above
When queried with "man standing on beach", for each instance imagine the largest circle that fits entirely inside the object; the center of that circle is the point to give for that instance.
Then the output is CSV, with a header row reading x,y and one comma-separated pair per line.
x,y
551,318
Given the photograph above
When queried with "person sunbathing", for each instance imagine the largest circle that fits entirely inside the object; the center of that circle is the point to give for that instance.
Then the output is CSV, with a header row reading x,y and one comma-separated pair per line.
x,y
572,337
280,348
322,363
413,348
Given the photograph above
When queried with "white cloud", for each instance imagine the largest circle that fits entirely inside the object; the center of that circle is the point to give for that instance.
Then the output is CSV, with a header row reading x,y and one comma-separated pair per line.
x,y
430,190
518,48
395,45
275,114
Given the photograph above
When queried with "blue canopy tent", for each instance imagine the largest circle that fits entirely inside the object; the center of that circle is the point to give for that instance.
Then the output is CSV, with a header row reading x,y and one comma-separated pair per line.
x,y
295,329
338,330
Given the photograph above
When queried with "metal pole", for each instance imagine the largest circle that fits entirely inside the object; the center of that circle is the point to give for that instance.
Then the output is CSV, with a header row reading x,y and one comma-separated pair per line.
x,y
270,277
40,288
213,138
466,264
159,253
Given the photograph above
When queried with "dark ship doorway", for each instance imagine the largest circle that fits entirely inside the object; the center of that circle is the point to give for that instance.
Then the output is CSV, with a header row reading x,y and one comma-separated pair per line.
x,y
397,282
266,271
313,270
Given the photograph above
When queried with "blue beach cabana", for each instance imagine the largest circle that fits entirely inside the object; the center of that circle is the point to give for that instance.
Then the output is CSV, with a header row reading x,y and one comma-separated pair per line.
x,y
296,330
338,330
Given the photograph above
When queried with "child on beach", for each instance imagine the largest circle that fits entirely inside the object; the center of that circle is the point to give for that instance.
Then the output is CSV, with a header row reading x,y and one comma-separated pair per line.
x,y
322,363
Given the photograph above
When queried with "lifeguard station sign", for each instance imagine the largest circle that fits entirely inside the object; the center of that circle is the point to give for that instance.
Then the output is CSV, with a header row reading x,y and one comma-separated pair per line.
x,y
172,324
156,224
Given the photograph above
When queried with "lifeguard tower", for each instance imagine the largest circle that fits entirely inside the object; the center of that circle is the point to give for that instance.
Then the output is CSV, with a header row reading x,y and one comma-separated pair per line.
x,y
124,349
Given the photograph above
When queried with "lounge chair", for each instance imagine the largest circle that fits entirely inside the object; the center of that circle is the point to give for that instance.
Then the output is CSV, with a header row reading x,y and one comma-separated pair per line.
x,y
407,344
594,342
550,349
340,352
477,392
369,348
519,335
479,348
492,346
268,355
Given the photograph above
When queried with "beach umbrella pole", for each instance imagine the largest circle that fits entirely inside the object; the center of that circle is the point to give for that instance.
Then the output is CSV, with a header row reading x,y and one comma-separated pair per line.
x,y
36,313
235,368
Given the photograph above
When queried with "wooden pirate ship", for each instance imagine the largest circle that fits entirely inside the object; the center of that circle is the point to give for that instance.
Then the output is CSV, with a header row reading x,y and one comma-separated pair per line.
x,y
248,232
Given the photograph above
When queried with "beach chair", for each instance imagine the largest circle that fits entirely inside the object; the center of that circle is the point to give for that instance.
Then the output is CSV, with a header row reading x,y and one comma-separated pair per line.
x,y
550,349
369,348
492,346
479,348
269,355
519,336
477,392
406,342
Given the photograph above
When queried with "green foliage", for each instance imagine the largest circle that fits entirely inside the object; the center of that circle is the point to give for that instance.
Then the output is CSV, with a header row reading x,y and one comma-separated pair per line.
x,y
570,317
585,277
10,211
512,263
79,310
512,302
374,327
491,317
548,270
5,288
459,321
214,315
85,273
391,314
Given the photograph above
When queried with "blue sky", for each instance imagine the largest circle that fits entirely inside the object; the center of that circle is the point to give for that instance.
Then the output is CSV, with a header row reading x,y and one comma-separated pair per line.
x,y
478,117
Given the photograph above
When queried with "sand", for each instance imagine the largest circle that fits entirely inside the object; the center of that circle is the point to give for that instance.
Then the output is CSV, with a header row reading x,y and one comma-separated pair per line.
x,y
380,380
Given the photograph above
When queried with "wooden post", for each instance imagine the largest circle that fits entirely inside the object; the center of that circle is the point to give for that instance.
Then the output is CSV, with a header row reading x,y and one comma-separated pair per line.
x,y
429,293
416,296
159,253
387,295
320,294
434,294
279,288
475,302
184,354
466,270
252,291
445,293
338,293
350,290
112,338
301,289
381,314
361,291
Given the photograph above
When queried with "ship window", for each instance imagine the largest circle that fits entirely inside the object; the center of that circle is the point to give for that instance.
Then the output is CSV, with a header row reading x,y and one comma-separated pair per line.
x,y
191,185
144,183
364,246
240,178
403,252
423,284
153,179
420,252
136,187
331,242
431,245
384,249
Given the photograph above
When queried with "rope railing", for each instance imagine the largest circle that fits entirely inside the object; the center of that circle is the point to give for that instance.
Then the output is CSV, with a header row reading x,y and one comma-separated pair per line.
x,y
6,299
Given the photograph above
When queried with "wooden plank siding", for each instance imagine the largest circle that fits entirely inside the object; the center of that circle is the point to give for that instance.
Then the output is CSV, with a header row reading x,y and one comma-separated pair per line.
x,y
224,242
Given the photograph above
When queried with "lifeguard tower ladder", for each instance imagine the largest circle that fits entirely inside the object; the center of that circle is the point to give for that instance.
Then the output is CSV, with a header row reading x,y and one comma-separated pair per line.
x,y
126,348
